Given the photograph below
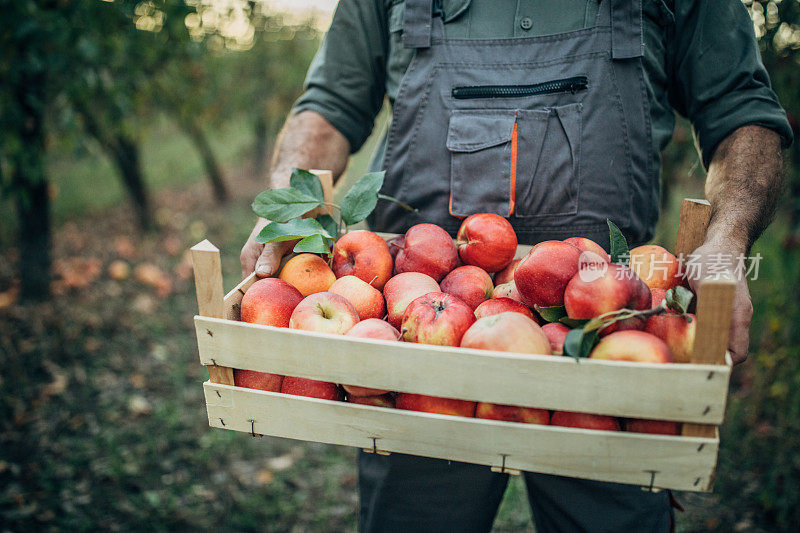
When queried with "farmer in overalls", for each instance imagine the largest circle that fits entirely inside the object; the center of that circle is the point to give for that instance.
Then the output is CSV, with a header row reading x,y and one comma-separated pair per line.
x,y
552,114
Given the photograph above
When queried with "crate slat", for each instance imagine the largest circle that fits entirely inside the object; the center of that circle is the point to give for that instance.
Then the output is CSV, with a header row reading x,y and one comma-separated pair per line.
x,y
681,463
687,393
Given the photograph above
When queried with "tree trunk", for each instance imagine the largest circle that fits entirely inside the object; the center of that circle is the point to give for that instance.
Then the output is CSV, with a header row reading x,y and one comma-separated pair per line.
x,y
213,169
126,157
260,148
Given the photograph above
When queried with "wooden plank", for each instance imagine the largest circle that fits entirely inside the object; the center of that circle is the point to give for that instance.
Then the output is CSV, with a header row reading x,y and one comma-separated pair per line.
x,y
208,285
681,463
693,393
714,311
692,224
233,299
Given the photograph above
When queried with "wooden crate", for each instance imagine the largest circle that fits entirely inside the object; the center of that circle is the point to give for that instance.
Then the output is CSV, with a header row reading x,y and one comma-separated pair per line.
x,y
694,394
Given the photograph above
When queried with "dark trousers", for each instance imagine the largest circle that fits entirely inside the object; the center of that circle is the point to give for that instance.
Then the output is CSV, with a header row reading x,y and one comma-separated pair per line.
x,y
409,494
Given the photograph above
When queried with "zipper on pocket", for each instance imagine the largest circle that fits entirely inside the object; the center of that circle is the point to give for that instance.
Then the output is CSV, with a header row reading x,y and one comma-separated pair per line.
x,y
566,85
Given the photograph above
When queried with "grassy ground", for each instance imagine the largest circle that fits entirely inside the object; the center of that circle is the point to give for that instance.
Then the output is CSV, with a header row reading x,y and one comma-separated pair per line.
x,y
103,424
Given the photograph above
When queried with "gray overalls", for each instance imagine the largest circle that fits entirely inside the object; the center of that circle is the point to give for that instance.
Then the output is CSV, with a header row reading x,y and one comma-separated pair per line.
x,y
552,132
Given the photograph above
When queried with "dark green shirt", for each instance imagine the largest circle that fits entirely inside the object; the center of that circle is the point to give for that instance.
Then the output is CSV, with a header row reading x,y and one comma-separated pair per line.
x,y
701,60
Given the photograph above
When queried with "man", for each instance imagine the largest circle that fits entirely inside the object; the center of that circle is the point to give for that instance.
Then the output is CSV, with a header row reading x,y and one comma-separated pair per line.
x,y
551,114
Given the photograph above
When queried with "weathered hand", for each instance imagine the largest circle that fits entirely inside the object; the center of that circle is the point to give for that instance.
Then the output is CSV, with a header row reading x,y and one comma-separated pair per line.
x,y
263,258
712,261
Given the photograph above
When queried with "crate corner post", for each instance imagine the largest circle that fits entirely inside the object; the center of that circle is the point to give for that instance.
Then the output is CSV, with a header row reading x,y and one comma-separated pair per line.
x,y
208,284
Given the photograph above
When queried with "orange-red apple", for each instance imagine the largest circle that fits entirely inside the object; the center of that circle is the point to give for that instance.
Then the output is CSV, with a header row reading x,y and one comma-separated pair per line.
x,y
404,288
632,345
308,273
656,266
367,300
676,331
311,387
542,275
512,413
269,301
324,312
556,334
507,332
436,318
502,305
487,241
372,328
588,245
363,254
657,296
507,290
429,249
656,427
470,283
382,400
507,274
257,380
572,419
435,404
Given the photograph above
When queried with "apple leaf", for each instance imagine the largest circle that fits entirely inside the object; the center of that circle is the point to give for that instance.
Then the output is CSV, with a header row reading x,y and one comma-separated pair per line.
x,y
328,222
573,322
313,244
282,205
297,228
619,245
678,299
579,343
362,197
307,183
551,314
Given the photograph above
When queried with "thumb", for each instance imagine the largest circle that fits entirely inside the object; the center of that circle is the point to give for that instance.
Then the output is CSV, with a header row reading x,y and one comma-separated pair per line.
x,y
270,258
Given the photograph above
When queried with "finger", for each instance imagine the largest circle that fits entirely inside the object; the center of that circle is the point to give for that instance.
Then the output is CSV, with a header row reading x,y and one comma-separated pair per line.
x,y
249,257
270,258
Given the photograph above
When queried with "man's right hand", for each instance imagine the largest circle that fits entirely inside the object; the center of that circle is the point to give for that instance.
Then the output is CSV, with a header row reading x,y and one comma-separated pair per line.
x,y
263,258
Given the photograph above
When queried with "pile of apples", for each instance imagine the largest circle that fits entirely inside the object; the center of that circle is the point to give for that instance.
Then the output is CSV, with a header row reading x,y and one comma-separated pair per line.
x,y
422,287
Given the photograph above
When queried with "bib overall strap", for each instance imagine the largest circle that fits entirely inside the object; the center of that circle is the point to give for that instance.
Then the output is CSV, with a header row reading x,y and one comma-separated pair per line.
x,y
417,22
626,29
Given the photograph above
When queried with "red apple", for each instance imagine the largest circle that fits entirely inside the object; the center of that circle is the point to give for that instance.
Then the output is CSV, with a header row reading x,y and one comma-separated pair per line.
x,y
556,334
507,274
270,301
428,249
487,241
372,328
677,332
598,289
257,380
542,275
310,387
363,254
404,288
572,419
502,305
512,413
656,266
435,404
367,300
632,345
324,312
507,332
395,245
383,400
656,427
436,318
657,296
470,283
507,290
588,245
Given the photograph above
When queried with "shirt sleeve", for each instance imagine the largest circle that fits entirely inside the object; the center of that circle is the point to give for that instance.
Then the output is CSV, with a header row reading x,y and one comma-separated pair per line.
x,y
346,80
718,80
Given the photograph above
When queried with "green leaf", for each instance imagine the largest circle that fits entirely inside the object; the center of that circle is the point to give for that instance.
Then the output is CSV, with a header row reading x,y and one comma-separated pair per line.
x,y
579,343
551,314
619,246
573,322
360,200
679,298
307,183
329,223
281,205
294,229
313,244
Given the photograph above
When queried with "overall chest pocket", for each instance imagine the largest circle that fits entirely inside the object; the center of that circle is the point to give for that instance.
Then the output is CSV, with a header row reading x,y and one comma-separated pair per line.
x,y
521,163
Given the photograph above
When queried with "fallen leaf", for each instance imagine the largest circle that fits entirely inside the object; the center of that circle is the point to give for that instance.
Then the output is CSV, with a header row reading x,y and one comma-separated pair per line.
x,y
124,247
139,405
137,380
152,275
78,272
172,245
59,383
264,476
281,462
119,270
9,297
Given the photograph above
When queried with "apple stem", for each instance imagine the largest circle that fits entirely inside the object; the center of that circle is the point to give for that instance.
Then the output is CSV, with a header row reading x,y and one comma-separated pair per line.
x,y
373,280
